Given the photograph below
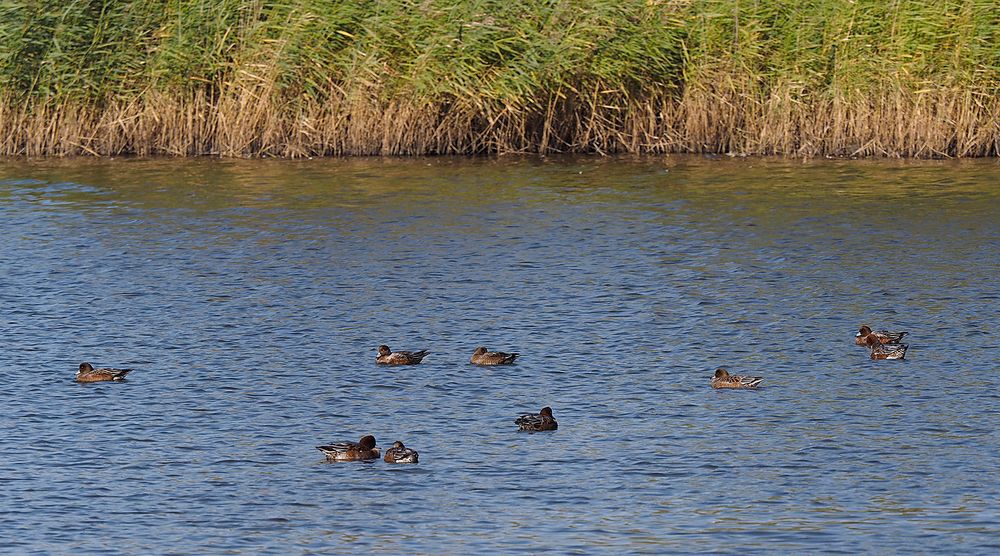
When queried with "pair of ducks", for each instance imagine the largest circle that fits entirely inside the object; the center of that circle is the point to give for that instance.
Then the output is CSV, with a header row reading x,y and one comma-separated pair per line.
x,y
881,344
365,449
481,356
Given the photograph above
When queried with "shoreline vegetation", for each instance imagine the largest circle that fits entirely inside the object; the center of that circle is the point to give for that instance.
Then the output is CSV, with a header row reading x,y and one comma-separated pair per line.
x,y
297,78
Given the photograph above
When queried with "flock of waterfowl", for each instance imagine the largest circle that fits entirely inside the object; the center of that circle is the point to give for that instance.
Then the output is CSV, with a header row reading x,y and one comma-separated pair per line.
x,y
881,344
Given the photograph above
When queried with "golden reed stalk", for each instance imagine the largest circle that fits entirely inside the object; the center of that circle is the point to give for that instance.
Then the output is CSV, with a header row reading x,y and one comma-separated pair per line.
x,y
721,118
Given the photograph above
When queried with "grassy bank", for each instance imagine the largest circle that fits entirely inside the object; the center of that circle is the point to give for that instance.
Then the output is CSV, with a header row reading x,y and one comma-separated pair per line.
x,y
327,77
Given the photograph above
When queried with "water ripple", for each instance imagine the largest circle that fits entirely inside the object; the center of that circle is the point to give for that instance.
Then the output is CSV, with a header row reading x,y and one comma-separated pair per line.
x,y
250,297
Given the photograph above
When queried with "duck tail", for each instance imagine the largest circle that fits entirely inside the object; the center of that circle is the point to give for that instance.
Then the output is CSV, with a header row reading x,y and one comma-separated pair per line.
x,y
120,375
510,358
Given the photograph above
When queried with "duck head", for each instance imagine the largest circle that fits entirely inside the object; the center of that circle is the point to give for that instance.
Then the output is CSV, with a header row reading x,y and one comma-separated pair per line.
x,y
384,350
367,442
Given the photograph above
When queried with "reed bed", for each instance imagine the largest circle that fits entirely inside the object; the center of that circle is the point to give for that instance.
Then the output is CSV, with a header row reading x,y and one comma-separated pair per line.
x,y
296,78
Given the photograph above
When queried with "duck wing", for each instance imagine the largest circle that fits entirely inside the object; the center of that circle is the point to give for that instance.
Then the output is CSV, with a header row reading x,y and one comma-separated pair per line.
x,y
891,337
737,381
495,358
411,356
118,374
529,421
749,381
889,351
337,447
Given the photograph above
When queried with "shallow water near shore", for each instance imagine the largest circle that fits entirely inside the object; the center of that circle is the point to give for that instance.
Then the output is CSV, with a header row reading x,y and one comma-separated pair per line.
x,y
249,297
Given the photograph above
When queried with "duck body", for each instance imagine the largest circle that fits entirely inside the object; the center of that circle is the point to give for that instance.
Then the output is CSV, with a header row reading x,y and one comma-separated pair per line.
x,y
886,351
483,357
400,454
723,379
87,373
388,357
882,336
351,451
534,422
879,350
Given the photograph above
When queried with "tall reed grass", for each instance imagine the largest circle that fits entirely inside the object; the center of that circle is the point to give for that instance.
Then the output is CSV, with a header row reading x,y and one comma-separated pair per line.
x,y
397,77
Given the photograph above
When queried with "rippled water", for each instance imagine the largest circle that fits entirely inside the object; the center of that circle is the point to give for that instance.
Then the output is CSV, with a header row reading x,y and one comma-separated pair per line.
x,y
249,297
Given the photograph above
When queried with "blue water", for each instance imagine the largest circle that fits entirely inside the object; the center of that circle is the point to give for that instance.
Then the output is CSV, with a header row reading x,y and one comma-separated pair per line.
x,y
249,297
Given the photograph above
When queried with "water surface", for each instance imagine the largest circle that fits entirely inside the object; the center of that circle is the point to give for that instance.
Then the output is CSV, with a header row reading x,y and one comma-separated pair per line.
x,y
249,297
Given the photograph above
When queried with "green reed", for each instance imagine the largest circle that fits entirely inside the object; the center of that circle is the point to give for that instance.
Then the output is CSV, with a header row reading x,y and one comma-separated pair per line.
x,y
295,78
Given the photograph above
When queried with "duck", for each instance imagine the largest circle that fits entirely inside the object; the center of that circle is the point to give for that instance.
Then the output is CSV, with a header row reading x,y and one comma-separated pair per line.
x,y
400,454
883,336
388,357
880,350
483,357
88,373
351,451
541,421
723,379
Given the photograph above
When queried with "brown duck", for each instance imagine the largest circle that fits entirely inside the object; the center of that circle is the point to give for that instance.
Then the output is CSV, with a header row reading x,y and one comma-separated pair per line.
x,y
483,357
388,357
723,379
351,451
883,336
88,373
400,454
541,421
